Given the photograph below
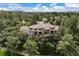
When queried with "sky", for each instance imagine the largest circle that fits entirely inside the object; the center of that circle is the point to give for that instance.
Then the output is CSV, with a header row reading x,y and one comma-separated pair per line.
x,y
40,7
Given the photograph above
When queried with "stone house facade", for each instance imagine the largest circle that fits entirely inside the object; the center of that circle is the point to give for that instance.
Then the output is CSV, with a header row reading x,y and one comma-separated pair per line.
x,y
42,28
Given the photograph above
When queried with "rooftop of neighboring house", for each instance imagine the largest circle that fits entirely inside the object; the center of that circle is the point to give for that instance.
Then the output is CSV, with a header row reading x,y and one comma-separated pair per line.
x,y
40,25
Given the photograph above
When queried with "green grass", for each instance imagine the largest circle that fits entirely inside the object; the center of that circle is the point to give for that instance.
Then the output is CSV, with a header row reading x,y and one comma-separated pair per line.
x,y
8,53
4,53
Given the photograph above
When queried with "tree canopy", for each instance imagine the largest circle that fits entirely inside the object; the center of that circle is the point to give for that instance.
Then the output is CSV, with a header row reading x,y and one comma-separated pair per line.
x,y
64,42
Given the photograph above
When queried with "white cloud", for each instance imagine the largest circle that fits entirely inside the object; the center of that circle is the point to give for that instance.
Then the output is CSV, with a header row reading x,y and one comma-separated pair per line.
x,y
5,9
3,4
28,9
36,8
38,5
15,7
56,8
59,7
52,4
45,8
72,5
50,9
11,7
42,8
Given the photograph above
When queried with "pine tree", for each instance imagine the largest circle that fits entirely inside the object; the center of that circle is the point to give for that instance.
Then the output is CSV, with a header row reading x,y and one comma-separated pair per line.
x,y
31,47
67,45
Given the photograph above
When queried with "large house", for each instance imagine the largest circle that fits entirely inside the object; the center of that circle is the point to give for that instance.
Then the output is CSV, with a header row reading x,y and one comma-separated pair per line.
x,y
42,28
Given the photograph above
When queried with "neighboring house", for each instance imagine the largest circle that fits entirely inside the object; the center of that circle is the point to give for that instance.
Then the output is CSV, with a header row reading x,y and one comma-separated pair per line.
x,y
42,28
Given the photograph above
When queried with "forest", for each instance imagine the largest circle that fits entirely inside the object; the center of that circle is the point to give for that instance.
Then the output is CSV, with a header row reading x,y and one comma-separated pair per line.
x,y
15,43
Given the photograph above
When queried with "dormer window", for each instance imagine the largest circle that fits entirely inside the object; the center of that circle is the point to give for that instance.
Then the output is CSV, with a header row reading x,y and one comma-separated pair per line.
x,y
35,29
30,28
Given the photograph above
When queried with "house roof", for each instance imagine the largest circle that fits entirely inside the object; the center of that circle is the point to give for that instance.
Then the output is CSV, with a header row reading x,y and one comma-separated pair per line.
x,y
39,25
42,25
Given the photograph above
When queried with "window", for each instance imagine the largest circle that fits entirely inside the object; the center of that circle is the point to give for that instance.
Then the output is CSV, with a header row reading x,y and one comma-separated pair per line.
x,y
30,33
46,31
35,33
40,33
35,29
30,28
40,29
52,31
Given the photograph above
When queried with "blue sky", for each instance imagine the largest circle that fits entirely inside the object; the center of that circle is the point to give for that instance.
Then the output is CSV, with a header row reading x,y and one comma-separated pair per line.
x,y
30,4
40,7
43,4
